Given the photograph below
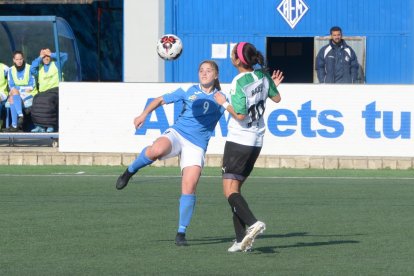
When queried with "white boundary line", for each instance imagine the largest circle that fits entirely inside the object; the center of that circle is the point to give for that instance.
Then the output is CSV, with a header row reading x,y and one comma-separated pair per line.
x,y
207,176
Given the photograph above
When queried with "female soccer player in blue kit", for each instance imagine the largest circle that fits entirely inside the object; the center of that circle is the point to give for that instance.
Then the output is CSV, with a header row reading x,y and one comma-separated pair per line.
x,y
188,137
249,92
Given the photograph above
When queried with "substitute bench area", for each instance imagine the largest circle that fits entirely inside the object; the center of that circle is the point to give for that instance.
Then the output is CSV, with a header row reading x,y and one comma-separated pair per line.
x,y
11,138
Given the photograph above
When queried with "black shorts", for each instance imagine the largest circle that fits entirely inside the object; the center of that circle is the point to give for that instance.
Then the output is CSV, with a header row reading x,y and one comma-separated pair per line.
x,y
239,160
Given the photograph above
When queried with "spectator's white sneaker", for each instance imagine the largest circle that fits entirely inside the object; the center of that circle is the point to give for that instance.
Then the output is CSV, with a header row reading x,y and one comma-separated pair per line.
x,y
251,233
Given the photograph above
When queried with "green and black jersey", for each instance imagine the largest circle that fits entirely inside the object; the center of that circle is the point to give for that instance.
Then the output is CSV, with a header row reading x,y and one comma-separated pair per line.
x,y
249,91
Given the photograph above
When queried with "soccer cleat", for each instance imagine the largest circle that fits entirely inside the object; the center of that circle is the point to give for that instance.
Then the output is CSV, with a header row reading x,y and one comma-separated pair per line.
x,y
180,239
50,130
251,233
236,247
123,179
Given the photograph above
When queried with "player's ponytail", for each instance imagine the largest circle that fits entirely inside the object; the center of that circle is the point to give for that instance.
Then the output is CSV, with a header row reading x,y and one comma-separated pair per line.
x,y
249,56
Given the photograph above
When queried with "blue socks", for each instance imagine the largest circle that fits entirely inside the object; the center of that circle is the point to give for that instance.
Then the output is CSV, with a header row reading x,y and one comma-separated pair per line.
x,y
17,102
13,115
16,109
141,161
187,204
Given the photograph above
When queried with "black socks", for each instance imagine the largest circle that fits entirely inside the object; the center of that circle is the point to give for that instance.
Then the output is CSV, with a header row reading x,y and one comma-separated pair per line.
x,y
242,215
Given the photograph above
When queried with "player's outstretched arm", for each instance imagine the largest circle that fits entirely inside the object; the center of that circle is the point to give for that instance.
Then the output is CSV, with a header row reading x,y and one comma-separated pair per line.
x,y
139,121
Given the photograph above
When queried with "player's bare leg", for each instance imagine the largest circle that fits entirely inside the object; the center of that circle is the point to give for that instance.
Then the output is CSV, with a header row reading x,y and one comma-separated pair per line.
x,y
161,147
190,177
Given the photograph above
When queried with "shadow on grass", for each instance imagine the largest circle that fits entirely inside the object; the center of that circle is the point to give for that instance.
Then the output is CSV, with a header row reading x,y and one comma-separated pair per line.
x,y
272,249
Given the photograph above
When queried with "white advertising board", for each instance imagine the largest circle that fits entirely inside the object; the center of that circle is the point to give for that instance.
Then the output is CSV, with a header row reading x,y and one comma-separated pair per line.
x,y
311,119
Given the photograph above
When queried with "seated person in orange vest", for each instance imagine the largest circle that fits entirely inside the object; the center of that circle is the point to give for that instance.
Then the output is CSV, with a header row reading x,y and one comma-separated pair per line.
x,y
45,104
4,91
22,87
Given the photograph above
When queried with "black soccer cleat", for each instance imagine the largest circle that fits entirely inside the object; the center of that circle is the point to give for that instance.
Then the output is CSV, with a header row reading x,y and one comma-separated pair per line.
x,y
123,179
180,239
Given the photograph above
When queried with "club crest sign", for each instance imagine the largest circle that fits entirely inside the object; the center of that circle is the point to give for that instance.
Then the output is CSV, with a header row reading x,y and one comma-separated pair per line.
x,y
292,11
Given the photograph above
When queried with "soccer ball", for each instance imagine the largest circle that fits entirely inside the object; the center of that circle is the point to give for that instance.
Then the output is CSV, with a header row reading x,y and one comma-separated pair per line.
x,y
169,47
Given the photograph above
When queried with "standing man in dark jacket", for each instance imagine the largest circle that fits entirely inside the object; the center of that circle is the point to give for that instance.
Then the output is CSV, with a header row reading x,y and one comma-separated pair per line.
x,y
337,62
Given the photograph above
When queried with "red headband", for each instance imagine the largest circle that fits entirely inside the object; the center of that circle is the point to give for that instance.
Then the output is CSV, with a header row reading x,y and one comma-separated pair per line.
x,y
240,52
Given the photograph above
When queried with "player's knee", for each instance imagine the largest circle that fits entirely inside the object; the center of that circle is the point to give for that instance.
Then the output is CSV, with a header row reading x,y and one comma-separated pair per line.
x,y
153,153
226,192
188,187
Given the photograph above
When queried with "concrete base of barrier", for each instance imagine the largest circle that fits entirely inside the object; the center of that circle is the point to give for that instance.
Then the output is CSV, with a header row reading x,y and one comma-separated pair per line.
x,y
51,156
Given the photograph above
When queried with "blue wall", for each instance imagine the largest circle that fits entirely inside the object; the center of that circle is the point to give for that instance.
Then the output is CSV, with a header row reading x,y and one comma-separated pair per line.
x,y
387,24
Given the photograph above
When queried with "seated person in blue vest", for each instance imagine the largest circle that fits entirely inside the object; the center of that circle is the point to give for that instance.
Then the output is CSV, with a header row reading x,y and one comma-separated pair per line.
x,y
4,91
46,103
22,87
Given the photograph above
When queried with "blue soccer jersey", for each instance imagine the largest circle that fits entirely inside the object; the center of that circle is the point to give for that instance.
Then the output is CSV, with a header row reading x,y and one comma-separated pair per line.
x,y
199,116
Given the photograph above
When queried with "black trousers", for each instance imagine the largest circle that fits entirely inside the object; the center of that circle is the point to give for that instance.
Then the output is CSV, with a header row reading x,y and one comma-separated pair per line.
x,y
45,108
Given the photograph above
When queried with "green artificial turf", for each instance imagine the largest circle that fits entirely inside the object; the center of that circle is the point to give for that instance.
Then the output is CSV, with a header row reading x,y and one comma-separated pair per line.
x,y
59,220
